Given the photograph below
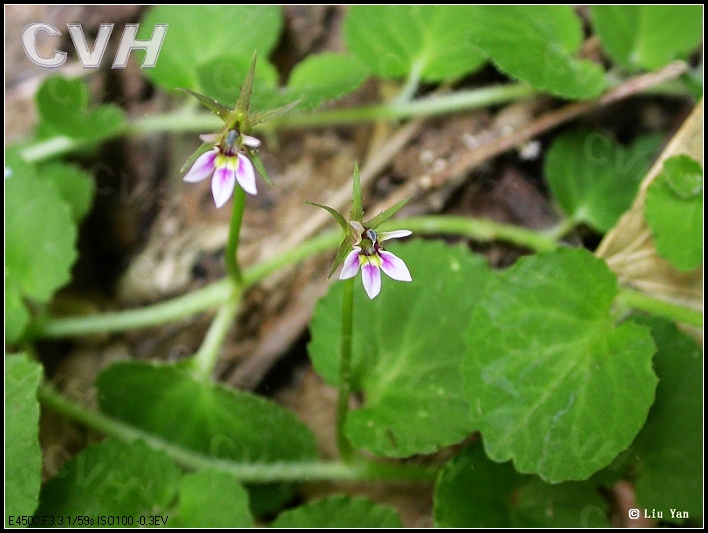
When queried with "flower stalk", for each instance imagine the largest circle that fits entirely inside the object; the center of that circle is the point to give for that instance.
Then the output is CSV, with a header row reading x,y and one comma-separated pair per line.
x,y
345,373
232,266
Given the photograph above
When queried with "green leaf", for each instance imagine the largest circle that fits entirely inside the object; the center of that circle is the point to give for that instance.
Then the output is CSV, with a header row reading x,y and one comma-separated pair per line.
x,y
552,383
536,44
197,34
674,212
111,478
472,491
593,178
16,314
205,417
62,105
386,215
572,504
325,76
211,498
39,232
340,512
75,186
407,347
648,36
213,106
669,449
395,41
357,212
23,457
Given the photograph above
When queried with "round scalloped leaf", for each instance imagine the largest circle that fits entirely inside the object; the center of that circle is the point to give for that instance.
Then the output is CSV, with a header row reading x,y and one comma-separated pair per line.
x,y
39,232
63,109
674,212
75,186
593,178
111,478
207,418
472,491
407,346
552,383
394,41
648,36
197,34
325,76
210,498
669,449
23,457
339,512
536,44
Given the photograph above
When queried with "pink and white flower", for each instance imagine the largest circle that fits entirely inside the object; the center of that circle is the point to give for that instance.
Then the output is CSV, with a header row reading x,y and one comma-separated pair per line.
x,y
368,254
229,163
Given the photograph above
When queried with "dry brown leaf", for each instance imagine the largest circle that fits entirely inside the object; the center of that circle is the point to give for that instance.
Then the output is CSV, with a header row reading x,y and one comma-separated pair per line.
x,y
629,247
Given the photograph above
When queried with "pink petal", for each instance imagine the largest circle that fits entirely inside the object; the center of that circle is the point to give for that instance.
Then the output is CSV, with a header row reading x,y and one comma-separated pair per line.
x,y
351,264
371,276
397,234
394,267
249,141
202,167
209,137
222,186
245,175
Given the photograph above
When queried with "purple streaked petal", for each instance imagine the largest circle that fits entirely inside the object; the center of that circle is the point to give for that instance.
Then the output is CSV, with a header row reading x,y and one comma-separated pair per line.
x,y
351,264
371,276
202,167
222,186
397,234
249,141
394,267
245,175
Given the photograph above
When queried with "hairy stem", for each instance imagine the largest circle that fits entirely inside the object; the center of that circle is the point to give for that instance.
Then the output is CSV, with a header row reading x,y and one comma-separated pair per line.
x,y
650,304
205,359
245,472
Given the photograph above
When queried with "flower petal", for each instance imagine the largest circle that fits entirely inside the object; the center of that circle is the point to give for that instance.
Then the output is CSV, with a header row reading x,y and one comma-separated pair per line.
x,y
249,141
371,276
209,137
351,264
397,234
394,266
222,186
245,175
202,167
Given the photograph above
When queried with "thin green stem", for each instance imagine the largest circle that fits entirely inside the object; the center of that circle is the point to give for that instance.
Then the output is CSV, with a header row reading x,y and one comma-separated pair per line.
x,y
205,359
345,372
219,292
185,120
232,267
564,227
245,472
650,304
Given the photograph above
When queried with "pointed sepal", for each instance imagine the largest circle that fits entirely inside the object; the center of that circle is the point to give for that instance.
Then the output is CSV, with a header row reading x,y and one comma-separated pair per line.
x,y
385,215
260,167
357,200
342,252
215,107
336,214
265,116
244,99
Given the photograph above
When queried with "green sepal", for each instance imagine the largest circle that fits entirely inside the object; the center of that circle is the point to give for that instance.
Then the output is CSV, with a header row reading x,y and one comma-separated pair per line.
x,y
244,99
336,214
344,248
258,163
357,200
215,107
204,147
385,215
265,116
